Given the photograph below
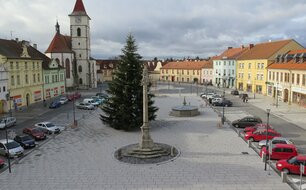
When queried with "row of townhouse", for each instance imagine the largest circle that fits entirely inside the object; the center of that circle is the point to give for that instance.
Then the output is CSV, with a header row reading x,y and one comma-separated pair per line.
x,y
27,75
257,68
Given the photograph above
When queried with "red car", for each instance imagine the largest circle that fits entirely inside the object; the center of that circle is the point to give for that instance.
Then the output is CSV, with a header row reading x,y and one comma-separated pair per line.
x,y
257,126
280,151
261,134
1,163
74,96
292,165
35,133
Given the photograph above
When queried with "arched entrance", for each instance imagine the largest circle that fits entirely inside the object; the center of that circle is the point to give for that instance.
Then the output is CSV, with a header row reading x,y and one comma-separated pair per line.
x,y
286,95
28,99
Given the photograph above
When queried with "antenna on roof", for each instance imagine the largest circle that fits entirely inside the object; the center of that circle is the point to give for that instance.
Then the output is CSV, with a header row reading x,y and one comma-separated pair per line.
x,y
11,32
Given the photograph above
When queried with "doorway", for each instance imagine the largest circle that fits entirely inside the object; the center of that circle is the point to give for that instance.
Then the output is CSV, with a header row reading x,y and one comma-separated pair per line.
x,y
28,99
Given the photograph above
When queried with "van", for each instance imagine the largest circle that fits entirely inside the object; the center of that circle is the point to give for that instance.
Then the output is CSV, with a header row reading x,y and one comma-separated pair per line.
x,y
90,101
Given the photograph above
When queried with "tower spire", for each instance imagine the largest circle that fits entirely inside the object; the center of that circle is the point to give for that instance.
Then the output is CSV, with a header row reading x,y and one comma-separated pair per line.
x,y
57,27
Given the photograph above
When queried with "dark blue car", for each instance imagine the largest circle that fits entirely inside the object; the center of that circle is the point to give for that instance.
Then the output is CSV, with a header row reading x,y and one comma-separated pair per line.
x,y
54,104
25,141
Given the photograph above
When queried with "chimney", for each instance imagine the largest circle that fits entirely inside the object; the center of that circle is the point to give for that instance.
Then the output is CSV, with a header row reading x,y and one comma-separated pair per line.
x,y
251,46
35,46
229,47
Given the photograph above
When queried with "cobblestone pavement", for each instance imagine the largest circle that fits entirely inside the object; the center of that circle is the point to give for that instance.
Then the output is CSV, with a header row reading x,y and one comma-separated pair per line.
x,y
211,158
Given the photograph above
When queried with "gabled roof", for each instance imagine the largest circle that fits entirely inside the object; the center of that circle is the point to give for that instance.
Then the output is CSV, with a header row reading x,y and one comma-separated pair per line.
x,y
264,50
79,9
185,65
291,63
233,53
13,49
60,44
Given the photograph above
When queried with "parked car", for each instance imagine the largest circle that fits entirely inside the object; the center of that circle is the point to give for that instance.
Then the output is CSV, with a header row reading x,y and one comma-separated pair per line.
x,y
97,99
25,141
90,101
12,147
257,126
50,127
246,121
63,100
85,106
214,100
2,162
7,122
43,130
261,135
35,133
235,92
208,95
275,140
226,103
74,96
280,151
292,165
55,104
48,124
102,95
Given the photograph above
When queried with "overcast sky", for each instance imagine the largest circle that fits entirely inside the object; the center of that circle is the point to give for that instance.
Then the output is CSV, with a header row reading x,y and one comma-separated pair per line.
x,y
162,28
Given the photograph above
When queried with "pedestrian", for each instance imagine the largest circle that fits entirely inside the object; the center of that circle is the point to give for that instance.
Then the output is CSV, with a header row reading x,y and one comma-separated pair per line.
x,y
243,99
246,99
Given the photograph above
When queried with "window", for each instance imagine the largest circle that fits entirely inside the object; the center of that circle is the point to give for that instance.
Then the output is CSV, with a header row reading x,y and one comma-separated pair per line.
x,y
34,78
304,79
281,77
258,65
249,75
278,150
80,69
4,89
52,78
292,77
187,72
56,78
81,81
80,55
18,80
276,76
11,65
33,65
38,77
17,65
262,65
298,79
26,79
12,81
250,65
46,79
273,76
25,65
79,32
37,65
269,75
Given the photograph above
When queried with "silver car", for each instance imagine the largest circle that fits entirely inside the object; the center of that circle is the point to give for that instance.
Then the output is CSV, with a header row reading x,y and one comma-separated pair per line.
x,y
12,147
7,122
275,140
85,106
49,126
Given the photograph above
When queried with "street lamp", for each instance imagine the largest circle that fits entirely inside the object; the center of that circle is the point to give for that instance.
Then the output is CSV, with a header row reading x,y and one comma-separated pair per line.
x,y
224,84
268,114
8,152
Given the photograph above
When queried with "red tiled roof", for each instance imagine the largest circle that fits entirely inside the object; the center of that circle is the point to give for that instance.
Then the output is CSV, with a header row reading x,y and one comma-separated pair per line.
x,y
79,8
233,53
264,50
186,65
107,64
297,51
289,65
60,44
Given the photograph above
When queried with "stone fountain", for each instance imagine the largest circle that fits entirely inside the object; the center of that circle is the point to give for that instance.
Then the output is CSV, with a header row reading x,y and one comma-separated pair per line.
x,y
185,110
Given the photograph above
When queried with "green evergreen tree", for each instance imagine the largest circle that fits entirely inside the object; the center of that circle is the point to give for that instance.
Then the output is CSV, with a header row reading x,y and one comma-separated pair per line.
x,y
124,108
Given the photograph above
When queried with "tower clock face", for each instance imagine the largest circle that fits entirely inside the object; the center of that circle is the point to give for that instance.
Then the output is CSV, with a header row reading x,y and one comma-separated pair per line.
x,y
78,19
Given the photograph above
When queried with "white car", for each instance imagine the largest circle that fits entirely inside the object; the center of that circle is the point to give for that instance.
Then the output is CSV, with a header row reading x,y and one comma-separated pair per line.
x,y
12,146
7,122
85,106
208,95
63,100
50,127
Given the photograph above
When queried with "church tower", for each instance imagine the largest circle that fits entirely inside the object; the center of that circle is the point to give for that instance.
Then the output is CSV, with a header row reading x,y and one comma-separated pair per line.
x,y
80,45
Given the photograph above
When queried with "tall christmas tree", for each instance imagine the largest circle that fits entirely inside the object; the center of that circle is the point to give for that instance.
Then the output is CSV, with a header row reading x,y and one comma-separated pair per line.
x,y
124,109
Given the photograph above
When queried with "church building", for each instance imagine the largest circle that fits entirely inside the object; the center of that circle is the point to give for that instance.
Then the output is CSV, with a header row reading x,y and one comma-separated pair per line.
x,y
74,52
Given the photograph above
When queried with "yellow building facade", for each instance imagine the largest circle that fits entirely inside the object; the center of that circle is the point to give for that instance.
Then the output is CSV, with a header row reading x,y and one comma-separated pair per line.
x,y
23,64
251,68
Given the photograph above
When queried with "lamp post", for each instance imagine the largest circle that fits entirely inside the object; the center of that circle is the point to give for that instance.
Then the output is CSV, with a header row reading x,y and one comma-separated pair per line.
x,y
224,84
268,115
276,95
8,152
